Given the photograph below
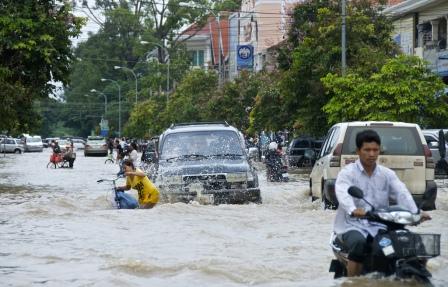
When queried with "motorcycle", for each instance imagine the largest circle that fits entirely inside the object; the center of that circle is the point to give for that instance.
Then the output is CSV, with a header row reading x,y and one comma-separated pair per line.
x,y
276,168
122,200
394,251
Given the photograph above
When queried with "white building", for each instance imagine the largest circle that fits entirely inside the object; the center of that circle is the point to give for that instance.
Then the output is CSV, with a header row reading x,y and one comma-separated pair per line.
x,y
421,29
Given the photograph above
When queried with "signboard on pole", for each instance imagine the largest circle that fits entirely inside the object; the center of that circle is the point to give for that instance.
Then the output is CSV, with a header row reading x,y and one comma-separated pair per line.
x,y
245,57
104,127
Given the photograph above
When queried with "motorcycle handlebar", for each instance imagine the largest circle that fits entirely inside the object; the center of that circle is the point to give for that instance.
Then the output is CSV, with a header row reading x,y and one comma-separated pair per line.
x,y
111,180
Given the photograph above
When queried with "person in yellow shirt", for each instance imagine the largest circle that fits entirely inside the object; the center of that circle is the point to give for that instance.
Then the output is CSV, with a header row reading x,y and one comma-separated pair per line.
x,y
148,195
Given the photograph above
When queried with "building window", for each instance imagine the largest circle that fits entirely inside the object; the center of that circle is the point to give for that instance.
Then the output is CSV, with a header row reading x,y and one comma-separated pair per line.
x,y
442,34
197,58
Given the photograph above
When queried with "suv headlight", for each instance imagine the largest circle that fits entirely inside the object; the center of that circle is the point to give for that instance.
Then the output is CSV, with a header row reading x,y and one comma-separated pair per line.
x,y
236,177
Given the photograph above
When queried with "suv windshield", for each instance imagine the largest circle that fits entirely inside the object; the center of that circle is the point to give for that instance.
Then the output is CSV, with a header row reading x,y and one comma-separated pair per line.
x,y
394,140
200,144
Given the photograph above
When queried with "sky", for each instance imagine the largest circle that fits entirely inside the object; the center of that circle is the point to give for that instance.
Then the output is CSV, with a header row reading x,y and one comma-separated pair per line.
x,y
90,27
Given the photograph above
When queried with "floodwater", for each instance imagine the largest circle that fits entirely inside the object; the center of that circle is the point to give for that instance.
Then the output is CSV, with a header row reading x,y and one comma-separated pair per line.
x,y
57,228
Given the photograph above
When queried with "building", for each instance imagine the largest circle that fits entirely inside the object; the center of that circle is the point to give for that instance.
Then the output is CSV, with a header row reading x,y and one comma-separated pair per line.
x,y
421,29
264,24
205,44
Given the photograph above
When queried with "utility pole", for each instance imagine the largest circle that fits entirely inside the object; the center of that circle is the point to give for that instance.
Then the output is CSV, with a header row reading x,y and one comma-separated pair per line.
x,y
219,52
343,38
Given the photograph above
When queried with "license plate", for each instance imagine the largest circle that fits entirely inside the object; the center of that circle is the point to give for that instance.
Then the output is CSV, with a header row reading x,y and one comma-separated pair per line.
x,y
285,175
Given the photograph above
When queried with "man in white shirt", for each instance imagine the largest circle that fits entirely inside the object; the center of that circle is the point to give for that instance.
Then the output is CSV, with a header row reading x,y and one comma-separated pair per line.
x,y
133,155
379,184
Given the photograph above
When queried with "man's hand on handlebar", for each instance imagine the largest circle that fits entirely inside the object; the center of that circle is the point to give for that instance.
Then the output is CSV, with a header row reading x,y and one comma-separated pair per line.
x,y
424,217
359,213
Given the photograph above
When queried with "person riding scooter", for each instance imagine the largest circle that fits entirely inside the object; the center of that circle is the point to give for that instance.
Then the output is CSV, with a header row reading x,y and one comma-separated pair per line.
x,y
380,185
275,169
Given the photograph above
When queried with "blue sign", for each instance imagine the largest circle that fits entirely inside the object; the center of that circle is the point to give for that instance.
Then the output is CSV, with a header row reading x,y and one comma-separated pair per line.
x,y
245,57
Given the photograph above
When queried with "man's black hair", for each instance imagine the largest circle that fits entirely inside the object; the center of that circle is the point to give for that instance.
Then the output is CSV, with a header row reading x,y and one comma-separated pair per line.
x,y
367,136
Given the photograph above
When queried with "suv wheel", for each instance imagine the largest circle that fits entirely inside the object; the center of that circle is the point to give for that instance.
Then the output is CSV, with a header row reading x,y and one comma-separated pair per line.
x,y
18,151
326,203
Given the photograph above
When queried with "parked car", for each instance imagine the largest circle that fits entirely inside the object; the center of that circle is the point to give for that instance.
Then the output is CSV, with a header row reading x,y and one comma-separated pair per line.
x,y
11,145
205,162
95,145
302,151
432,138
78,143
32,143
403,149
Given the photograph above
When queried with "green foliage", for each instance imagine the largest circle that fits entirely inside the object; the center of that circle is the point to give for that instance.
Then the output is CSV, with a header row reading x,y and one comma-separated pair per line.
x,y
146,119
34,49
234,101
197,98
269,112
403,90
190,100
314,49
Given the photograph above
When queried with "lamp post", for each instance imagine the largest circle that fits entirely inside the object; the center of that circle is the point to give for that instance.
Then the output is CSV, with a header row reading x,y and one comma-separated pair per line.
x,y
105,100
119,103
136,81
343,39
167,62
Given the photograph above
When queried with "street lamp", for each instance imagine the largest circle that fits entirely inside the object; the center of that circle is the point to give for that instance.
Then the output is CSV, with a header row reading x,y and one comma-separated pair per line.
x,y
167,62
105,100
119,103
132,71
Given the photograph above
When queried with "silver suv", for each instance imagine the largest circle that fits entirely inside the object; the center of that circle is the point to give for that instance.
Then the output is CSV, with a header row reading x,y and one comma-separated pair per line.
x,y
403,149
11,145
205,162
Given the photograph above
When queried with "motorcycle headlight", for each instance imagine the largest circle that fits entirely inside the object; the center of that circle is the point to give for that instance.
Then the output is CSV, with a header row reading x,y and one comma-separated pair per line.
x,y
236,177
400,217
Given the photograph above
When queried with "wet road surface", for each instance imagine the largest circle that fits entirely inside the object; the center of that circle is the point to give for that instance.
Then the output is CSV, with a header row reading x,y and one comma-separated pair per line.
x,y
57,228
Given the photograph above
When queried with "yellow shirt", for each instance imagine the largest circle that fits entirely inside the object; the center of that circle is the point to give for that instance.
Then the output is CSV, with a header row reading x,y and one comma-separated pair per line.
x,y
147,191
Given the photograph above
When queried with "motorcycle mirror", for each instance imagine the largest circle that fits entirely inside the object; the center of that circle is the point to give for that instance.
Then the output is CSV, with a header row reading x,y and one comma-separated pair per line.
x,y
355,192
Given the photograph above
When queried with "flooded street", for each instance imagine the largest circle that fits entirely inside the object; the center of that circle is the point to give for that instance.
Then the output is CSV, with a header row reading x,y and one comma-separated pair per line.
x,y
57,228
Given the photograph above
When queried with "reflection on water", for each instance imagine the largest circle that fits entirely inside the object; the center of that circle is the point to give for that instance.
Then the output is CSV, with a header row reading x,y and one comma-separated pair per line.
x,y
57,227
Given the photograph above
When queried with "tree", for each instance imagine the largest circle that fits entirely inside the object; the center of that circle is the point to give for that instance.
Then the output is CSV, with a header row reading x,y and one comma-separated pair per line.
x,y
403,90
190,100
314,38
35,50
234,101
164,18
269,110
146,119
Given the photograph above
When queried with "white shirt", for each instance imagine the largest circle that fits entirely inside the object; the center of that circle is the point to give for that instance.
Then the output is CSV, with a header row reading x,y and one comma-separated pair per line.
x,y
383,185
134,157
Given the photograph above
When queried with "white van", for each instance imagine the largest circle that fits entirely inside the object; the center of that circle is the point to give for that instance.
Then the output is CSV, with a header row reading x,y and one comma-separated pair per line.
x,y
32,143
403,149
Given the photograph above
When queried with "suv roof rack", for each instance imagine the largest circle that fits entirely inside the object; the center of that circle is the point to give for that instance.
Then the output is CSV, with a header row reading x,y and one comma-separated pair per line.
x,y
224,123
